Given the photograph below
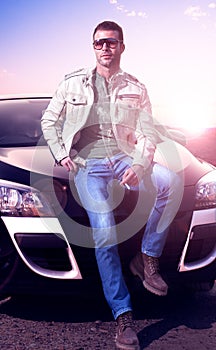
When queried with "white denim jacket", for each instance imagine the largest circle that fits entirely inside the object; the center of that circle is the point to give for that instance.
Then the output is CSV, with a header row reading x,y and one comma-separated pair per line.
x,y
130,111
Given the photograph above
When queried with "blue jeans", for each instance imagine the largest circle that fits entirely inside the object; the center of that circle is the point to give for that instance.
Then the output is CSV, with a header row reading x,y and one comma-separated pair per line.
x,y
97,185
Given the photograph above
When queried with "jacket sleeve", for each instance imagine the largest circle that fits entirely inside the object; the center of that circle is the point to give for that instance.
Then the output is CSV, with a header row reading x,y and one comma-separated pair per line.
x,y
52,122
146,135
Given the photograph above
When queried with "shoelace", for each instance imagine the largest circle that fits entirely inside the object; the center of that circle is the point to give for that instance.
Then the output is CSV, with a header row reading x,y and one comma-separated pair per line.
x,y
153,264
125,321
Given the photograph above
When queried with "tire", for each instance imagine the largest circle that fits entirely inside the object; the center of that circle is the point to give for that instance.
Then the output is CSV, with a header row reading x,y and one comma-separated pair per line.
x,y
8,267
8,260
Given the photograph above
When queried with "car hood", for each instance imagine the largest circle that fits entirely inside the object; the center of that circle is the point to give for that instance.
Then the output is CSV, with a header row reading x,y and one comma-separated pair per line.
x,y
170,154
34,159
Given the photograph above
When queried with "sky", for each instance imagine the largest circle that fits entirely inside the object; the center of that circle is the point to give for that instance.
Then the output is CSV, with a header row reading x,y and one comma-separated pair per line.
x,y
170,47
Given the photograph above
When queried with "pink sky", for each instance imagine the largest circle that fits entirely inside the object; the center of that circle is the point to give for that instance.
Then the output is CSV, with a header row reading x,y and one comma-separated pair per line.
x,y
170,46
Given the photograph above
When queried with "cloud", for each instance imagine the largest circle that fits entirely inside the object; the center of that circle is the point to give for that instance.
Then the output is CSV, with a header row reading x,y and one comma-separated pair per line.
x,y
195,12
205,16
212,5
128,12
4,73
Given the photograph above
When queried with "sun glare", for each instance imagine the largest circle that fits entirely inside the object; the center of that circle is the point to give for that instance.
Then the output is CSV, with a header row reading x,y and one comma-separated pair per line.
x,y
189,106
190,115
194,118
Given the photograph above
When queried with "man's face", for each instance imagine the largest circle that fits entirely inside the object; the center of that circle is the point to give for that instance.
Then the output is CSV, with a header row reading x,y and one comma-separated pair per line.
x,y
107,56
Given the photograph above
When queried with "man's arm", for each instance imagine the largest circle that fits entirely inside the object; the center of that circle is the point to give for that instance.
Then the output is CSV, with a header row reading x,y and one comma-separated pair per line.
x,y
52,121
146,139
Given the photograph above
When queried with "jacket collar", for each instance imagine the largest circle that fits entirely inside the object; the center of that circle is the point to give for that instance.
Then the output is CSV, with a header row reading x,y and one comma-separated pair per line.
x,y
89,76
90,73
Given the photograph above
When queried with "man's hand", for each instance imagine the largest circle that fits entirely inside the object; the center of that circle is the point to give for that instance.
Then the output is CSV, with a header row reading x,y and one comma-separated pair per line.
x,y
133,175
68,164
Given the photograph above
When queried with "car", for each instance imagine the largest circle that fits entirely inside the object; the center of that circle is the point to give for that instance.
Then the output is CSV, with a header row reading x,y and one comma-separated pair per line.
x,y
45,240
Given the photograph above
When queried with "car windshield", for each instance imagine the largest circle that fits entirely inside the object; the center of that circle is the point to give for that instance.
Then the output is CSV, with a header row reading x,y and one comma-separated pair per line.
x,y
20,122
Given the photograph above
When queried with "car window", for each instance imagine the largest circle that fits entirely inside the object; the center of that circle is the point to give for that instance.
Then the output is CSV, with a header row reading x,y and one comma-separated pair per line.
x,y
20,122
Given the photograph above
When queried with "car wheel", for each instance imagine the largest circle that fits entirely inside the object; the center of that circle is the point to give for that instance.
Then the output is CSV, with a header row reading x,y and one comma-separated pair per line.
x,y
195,287
8,266
8,260
202,286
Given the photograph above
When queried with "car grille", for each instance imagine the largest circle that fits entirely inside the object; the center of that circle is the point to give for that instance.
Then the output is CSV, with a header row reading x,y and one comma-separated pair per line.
x,y
202,243
45,250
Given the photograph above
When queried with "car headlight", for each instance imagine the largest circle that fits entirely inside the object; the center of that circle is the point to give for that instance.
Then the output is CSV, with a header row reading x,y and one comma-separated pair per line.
x,y
206,191
21,200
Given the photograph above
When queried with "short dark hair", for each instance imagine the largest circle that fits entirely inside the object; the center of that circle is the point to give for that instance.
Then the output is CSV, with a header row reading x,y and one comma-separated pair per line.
x,y
109,25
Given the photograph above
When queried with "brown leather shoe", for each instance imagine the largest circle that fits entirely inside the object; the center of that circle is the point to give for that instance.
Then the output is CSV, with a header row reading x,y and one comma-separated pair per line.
x,y
153,280
126,337
147,269
137,266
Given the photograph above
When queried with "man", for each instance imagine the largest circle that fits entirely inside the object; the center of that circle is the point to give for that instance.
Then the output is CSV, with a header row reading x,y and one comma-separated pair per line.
x,y
99,125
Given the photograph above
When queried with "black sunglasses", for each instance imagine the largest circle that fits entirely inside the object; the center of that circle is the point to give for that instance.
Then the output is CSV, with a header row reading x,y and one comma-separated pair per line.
x,y
110,42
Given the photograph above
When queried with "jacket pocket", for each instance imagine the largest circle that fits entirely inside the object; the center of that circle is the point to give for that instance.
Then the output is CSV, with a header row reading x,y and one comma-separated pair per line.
x,y
128,108
76,99
76,109
129,100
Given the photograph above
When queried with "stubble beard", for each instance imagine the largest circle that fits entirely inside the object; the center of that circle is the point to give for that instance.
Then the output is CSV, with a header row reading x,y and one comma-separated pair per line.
x,y
110,63
105,63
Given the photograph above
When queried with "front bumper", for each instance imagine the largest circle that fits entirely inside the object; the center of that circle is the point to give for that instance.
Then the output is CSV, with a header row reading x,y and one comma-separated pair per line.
x,y
38,242
200,247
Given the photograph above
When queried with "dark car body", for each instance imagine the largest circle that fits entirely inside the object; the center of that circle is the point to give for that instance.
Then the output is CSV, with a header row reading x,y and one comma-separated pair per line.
x,y
54,243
